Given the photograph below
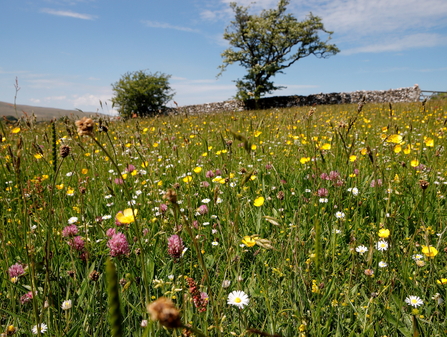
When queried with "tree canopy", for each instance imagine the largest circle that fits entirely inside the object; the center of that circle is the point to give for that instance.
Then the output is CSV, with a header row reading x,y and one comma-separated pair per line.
x,y
141,93
270,42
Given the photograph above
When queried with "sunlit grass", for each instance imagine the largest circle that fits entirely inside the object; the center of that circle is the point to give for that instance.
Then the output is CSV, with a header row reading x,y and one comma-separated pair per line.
x,y
330,219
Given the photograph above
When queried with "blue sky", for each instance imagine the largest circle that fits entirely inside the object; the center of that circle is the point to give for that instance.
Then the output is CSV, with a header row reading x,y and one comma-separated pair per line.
x,y
67,53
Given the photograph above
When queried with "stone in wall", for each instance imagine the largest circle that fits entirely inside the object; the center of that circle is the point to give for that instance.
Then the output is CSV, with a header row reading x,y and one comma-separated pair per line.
x,y
410,94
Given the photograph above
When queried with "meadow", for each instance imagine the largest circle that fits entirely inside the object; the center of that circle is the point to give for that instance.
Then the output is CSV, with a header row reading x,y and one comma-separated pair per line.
x,y
309,221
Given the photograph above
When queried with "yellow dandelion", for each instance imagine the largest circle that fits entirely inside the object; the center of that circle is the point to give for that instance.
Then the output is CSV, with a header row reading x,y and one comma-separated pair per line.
x,y
414,163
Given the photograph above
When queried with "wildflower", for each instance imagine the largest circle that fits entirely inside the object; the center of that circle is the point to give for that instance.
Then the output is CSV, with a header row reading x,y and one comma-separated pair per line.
x,y
226,283
26,298
417,257
143,323
382,245
442,281
384,233
200,299
164,311
70,230
361,249
420,263
66,305
238,298
414,301
77,243
175,247
383,264
259,201
323,200
15,130
396,139
16,270
429,251
202,210
323,192
85,126
118,245
10,330
127,216
42,328
354,191
369,272
339,215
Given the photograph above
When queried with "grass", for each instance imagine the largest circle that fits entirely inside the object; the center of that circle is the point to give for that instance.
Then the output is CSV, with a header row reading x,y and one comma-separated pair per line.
x,y
297,200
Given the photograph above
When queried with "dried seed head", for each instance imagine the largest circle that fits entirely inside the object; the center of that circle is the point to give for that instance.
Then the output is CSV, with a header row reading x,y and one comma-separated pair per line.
x,y
94,276
85,126
171,196
64,151
164,311
424,184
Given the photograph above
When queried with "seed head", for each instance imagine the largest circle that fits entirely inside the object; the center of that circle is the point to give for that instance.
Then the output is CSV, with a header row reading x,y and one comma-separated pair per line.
x,y
85,126
164,311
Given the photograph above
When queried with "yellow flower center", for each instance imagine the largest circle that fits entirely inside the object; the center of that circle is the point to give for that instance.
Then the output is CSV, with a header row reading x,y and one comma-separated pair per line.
x,y
237,300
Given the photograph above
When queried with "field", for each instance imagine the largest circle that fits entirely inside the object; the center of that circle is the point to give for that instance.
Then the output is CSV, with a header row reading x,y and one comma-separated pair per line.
x,y
310,221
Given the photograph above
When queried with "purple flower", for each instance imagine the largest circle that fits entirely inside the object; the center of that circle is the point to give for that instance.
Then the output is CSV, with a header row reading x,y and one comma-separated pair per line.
x,y
77,243
118,245
175,247
26,298
209,174
204,184
163,208
118,181
110,232
322,192
70,230
334,175
324,176
218,172
203,209
268,166
16,270
375,183
130,168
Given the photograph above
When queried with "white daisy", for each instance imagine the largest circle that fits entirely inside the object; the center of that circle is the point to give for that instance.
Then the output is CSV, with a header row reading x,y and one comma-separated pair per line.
x,y
72,220
414,301
361,249
42,328
238,298
66,305
383,264
382,245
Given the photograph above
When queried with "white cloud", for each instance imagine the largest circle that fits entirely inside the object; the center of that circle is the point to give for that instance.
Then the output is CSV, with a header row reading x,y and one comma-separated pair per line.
x,y
401,43
156,24
69,14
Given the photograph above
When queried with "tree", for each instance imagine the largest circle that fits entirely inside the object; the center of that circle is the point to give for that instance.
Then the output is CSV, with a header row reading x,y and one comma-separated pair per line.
x,y
266,44
141,93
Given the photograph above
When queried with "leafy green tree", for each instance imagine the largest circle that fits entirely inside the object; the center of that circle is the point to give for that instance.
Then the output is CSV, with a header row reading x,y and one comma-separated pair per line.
x,y
141,93
267,43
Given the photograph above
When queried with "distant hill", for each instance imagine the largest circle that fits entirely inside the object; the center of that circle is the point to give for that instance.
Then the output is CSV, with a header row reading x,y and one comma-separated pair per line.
x,y
42,114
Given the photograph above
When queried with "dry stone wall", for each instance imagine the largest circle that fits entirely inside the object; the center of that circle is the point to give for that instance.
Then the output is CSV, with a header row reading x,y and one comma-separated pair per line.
x,y
410,94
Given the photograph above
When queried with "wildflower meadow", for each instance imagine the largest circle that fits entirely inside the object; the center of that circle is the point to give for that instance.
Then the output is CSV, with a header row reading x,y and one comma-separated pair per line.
x,y
310,221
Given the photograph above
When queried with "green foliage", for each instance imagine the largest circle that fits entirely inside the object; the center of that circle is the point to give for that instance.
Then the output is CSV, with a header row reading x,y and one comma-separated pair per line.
x,y
141,93
268,43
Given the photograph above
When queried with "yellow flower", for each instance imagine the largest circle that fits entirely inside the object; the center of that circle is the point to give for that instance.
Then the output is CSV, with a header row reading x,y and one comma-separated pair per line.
x,y
187,179
248,241
429,142
364,151
259,201
38,156
407,150
442,281
155,145
384,233
84,171
59,187
257,133
414,163
127,216
70,191
15,130
396,139
198,169
304,160
429,251
397,148
326,146
352,158
145,164
253,147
